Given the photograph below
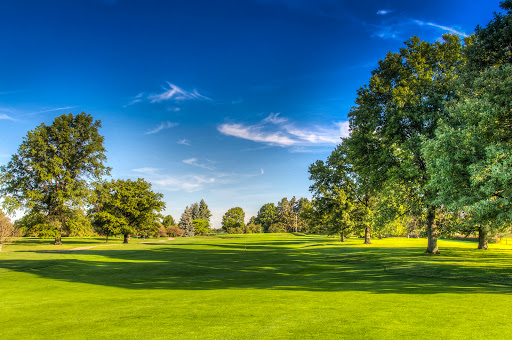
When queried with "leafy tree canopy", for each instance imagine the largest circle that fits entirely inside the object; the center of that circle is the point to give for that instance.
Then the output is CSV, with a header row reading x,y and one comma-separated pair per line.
x,y
52,171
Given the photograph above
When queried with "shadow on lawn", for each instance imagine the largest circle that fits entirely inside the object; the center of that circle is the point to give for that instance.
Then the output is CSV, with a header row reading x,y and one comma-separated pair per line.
x,y
278,265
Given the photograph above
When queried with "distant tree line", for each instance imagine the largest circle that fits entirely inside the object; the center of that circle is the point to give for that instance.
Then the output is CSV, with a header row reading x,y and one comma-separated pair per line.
x,y
58,179
430,145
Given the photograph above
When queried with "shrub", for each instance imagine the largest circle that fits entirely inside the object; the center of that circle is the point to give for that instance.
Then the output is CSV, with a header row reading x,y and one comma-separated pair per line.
x,y
277,228
173,231
162,232
253,228
235,230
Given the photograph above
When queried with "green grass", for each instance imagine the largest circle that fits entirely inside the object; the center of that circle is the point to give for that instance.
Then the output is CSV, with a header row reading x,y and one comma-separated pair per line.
x,y
283,286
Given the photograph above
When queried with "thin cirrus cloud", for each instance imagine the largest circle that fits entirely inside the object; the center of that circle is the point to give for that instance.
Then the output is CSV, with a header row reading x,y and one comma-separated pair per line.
x,y
188,183
195,162
6,117
444,28
162,126
171,92
384,11
285,134
184,142
400,28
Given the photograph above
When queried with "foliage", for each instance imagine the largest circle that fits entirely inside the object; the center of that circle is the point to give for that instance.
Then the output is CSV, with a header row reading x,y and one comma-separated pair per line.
x,y
399,109
470,160
52,171
204,212
168,221
253,226
200,226
173,231
266,216
233,221
7,229
186,223
127,207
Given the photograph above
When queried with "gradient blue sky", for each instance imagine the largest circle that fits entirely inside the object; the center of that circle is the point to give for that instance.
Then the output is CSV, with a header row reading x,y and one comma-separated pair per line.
x,y
227,101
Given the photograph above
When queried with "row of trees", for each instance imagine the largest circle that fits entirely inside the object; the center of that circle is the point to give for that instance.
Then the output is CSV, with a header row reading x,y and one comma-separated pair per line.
x,y
57,177
430,141
287,216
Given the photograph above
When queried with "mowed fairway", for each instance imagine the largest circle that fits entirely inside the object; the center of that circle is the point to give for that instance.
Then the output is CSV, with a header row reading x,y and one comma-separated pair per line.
x,y
281,287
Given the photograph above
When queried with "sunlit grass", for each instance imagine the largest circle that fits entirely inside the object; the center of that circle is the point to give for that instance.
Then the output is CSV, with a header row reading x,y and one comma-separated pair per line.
x,y
255,286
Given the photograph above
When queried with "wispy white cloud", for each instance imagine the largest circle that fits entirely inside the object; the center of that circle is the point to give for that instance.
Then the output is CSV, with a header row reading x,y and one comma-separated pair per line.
x,y
262,172
274,119
137,99
146,171
188,183
442,27
162,126
184,142
173,92
285,134
204,165
403,28
6,117
384,11
255,133
184,183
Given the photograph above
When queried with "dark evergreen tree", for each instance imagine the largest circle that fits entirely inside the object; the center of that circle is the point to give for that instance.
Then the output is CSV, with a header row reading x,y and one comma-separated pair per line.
x,y
195,211
204,212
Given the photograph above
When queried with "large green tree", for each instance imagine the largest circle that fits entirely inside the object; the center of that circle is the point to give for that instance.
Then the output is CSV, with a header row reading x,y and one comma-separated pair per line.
x,y
335,202
405,98
127,207
52,171
233,220
267,216
470,160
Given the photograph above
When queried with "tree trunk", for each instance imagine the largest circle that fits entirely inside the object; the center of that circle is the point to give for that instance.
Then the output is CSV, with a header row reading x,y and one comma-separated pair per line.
x,y
126,238
431,231
367,239
0,246
482,239
58,240
106,240
342,237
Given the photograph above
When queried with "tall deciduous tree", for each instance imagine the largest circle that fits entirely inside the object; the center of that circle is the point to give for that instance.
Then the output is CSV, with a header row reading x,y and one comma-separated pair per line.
x,y
52,171
406,96
470,160
233,220
267,216
127,207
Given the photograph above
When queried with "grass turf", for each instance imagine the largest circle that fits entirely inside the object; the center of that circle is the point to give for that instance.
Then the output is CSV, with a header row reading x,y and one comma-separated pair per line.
x,y
272,286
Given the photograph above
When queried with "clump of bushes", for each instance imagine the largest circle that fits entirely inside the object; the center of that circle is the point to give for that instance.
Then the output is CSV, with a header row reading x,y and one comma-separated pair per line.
x,y
173,231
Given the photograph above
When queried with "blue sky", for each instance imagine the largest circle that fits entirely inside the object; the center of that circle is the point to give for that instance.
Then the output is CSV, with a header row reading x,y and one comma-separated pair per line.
x,y
226,101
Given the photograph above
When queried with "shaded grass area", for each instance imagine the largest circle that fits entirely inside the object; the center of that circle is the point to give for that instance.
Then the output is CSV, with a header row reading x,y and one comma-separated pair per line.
x,y
259,286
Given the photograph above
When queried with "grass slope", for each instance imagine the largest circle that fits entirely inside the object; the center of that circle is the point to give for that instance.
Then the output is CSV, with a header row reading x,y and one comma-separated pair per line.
x,y
273,286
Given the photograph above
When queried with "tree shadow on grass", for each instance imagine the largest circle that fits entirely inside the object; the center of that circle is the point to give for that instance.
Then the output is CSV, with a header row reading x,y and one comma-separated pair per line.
x,y
283,266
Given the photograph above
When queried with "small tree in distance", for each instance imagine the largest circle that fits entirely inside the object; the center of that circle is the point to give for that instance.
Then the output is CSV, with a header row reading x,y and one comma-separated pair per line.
x,y
7,229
